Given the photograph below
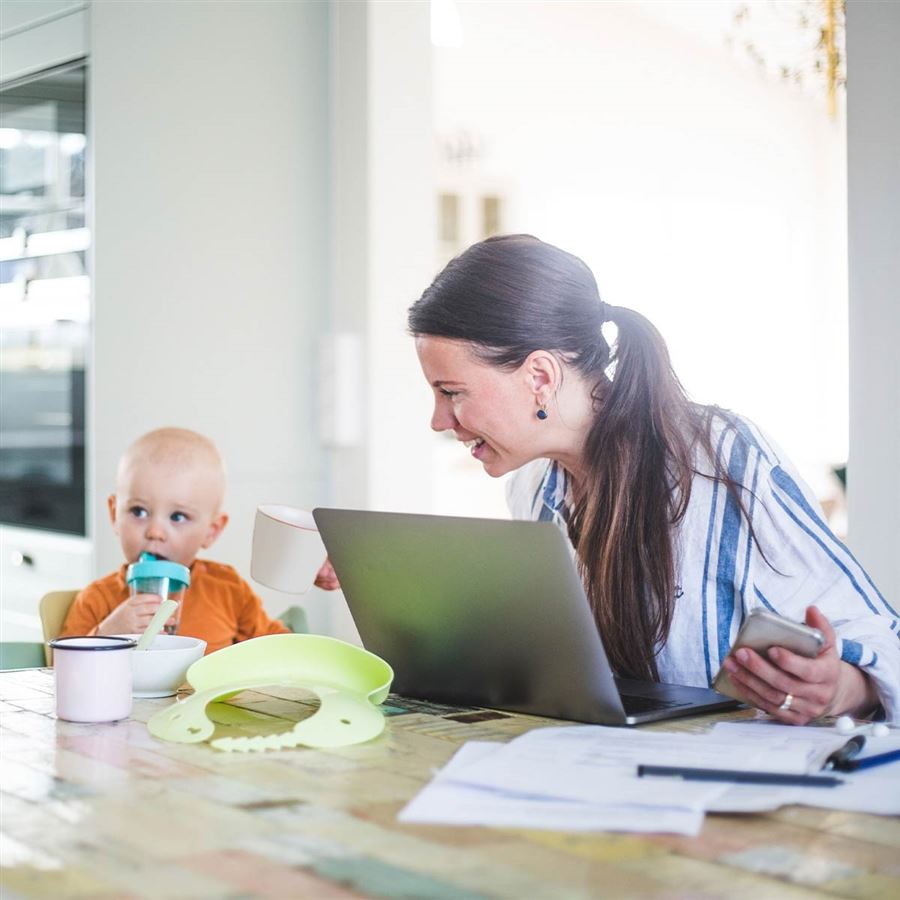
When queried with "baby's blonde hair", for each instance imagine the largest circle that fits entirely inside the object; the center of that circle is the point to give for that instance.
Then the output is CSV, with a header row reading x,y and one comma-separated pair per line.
x,y
179,447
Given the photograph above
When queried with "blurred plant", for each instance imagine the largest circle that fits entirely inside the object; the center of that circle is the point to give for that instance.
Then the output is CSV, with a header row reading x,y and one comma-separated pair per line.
x,y
811,34
462,148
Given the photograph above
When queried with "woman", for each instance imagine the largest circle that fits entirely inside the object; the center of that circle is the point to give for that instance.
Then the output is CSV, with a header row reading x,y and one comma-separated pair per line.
x,y
683,517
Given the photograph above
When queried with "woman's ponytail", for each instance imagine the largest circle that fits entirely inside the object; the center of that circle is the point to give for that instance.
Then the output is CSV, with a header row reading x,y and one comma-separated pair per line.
x,y
639,464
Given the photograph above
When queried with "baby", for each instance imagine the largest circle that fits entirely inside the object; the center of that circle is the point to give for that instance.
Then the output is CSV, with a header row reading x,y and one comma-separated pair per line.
x,y
168,502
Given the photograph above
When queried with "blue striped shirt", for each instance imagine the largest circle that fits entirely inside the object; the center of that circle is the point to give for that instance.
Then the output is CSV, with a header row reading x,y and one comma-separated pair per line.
x,y
721,575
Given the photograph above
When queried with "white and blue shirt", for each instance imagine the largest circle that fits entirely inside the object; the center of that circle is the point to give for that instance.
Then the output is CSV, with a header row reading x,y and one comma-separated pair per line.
x,y
722,573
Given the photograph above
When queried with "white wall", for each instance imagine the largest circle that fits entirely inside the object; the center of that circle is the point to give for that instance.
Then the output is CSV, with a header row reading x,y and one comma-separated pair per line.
x,y
209,127
383,240
702,194
401,234
873,132
382,251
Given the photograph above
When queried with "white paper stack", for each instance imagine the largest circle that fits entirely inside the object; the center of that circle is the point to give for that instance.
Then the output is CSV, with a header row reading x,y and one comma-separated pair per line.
x,y
584,778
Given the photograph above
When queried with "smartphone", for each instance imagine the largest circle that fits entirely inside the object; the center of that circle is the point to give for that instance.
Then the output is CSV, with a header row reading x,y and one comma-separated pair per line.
x,y
763,629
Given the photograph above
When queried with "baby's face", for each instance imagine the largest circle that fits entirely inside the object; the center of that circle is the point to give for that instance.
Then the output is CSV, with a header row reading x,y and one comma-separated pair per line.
x,y
168,510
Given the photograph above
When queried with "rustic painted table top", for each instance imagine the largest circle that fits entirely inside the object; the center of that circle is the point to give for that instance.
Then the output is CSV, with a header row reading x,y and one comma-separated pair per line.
x,y
107,811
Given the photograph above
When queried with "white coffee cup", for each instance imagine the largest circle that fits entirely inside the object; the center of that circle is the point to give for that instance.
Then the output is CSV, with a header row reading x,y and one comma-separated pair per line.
x,y
287,549
93,678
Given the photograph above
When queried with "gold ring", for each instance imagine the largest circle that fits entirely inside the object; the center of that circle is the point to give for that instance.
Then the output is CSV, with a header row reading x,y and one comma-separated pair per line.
x,y
786,703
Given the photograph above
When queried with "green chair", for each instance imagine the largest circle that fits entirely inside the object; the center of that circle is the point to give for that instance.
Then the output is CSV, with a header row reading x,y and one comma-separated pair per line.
x,y
21,655
295,619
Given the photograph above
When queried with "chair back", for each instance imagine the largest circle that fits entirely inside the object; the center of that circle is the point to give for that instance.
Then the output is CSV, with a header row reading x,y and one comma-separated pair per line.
x,y
21,655
295,619
53,609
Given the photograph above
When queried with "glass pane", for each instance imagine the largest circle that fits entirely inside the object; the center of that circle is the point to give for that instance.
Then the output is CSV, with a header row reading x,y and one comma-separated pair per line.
x,y
490,212
448,222
44,301
42,149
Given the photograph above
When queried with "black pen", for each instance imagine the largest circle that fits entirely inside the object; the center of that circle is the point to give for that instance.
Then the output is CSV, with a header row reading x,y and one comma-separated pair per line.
x,y
844,754
854,765
740,776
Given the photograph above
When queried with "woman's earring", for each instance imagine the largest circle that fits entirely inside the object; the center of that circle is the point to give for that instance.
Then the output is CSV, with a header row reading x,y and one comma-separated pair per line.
x,y
542,412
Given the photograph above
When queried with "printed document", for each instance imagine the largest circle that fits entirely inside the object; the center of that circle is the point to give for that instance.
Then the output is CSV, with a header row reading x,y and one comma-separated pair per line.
x,y
447,802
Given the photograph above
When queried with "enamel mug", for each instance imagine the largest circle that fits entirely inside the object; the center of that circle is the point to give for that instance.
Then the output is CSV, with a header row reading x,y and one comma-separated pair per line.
x,y
93,678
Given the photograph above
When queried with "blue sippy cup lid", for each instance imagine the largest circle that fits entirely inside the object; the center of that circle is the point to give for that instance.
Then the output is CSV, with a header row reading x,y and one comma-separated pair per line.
x,y
148,566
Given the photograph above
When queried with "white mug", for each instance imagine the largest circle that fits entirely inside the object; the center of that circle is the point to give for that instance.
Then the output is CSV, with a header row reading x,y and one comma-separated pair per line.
x,y
93,678
287,549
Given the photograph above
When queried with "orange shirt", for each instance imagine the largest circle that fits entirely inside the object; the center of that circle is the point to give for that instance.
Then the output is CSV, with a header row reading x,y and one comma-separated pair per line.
x,y
219,607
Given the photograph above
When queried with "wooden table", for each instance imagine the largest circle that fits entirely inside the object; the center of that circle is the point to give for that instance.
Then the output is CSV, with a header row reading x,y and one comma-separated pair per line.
x,y
109,811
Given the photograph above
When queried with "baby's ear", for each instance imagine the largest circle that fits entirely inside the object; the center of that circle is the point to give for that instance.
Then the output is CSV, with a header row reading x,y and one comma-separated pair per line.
x,y
216,527
111,506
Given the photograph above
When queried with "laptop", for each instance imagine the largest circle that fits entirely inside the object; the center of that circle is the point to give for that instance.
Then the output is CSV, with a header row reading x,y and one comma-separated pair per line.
x,y
489,613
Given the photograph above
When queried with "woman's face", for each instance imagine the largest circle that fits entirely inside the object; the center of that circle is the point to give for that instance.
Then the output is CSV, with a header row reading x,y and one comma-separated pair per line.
x,y
492,410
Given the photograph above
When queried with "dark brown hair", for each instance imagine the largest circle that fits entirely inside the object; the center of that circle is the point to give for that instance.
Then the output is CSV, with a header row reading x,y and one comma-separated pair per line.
x,y
514,294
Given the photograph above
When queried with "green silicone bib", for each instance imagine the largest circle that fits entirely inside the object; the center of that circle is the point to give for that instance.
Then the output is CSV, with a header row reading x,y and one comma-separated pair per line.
x,y
350,683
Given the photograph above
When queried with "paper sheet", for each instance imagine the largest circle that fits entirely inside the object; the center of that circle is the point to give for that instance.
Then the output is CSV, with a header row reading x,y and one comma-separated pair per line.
x,y
446,802
875,790
812,743
597,764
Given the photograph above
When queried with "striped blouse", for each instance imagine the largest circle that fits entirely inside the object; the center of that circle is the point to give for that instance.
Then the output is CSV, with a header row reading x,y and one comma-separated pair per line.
x,y
721,574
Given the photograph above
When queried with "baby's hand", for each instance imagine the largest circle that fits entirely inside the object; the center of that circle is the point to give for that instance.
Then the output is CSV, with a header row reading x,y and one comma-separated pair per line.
x,y
131,616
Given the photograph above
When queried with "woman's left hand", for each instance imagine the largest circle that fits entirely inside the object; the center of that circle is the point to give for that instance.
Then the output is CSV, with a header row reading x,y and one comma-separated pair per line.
x,y
796,689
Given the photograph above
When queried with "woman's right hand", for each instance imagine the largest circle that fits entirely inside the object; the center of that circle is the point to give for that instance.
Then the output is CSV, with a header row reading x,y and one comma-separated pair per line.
x,y
798,689
132,616
326,579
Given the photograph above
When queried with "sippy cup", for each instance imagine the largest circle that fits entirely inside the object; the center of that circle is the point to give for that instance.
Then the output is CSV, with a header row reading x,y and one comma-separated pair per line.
x,y
167,580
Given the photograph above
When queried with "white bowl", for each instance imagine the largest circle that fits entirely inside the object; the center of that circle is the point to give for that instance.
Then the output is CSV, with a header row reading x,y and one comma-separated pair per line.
x,y
160,670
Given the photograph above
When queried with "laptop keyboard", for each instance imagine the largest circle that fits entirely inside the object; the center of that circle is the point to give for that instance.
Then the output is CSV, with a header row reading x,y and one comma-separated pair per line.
x,y
635,703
